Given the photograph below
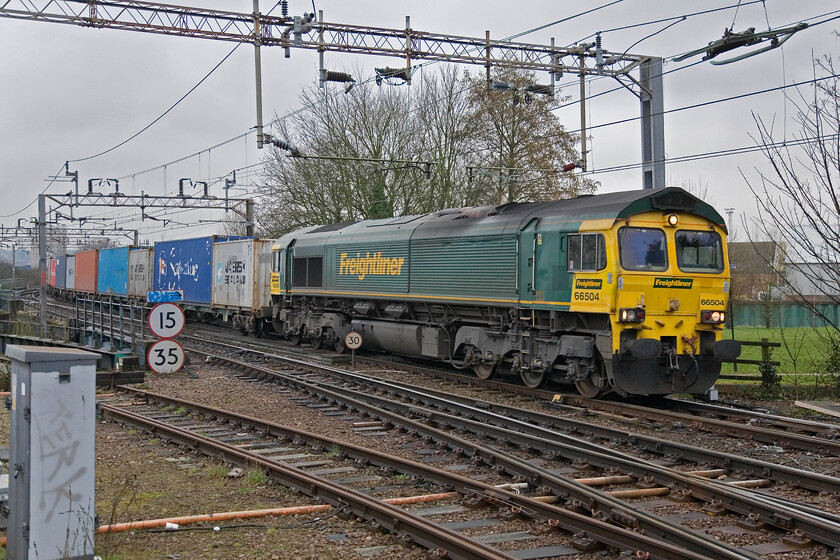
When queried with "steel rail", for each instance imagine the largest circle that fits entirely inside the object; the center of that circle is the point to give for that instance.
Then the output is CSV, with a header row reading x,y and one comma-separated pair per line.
x,y
819,528
757,433
561,518
734,499
824,429
428,534
806,479
607,506
797,477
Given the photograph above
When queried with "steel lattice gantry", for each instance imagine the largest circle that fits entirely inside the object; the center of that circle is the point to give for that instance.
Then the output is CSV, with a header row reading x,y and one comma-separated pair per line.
x,y
408,44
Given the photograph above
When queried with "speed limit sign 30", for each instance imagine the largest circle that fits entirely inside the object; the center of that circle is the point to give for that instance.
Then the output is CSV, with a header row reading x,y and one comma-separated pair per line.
x,y
353,340
165,356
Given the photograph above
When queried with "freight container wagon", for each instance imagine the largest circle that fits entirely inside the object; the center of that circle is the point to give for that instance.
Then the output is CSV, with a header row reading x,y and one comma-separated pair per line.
x,y
112,273
187,264
70,275
51,263
140,271
85,276
240,283
59,279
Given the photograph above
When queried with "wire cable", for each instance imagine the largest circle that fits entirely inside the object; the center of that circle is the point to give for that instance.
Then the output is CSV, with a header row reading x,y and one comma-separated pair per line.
x,y
547,25
54,177
720,153
148,126
714,101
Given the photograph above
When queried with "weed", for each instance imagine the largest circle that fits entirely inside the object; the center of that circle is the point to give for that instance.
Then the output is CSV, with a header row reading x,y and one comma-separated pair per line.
x,y
5,378
334,450
254,478
218,472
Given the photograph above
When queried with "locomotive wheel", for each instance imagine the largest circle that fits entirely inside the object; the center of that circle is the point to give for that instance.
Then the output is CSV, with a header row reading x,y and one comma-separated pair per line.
x,y
339,346
484,371
295,338
589,387
533,379
317,342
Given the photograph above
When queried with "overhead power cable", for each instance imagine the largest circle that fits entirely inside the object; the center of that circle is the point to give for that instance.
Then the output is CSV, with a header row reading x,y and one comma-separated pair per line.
x,y
54,177
151,124
714,101
721,153
302,109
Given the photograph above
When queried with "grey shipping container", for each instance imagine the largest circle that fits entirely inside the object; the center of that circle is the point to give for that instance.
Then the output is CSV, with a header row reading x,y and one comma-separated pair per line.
x,y
242,271
140,271
70,277
60,272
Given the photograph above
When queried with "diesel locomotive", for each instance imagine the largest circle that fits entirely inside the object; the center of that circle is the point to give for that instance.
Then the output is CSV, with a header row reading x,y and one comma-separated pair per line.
x,y
622,292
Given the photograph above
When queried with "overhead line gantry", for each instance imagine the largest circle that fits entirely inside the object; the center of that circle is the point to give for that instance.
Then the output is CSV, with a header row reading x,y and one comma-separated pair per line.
x,y
307,32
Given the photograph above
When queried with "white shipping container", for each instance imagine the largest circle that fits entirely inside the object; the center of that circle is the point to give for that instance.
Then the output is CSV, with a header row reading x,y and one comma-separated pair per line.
x,y
70,275
241,274
140,271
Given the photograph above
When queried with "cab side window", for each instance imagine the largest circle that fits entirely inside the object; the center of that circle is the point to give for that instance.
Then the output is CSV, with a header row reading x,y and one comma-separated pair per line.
x,y
307,272
587,252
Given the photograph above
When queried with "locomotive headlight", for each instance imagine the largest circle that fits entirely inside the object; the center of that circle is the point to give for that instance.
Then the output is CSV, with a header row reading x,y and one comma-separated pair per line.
x,y
631,315
709,316
673,220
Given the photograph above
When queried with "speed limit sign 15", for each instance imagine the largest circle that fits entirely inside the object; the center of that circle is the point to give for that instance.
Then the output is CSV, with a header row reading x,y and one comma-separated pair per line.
x,y
165,356
353,340
166,320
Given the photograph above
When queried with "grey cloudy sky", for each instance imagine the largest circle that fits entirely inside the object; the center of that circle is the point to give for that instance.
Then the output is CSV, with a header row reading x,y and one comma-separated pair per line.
x,y
68,92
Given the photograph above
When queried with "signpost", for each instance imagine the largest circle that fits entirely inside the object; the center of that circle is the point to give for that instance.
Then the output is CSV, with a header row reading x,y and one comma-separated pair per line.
x,y
166,320
165,356
353,341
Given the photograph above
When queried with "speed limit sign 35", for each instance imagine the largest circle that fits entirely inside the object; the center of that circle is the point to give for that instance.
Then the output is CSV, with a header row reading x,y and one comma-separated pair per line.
x,y
165,356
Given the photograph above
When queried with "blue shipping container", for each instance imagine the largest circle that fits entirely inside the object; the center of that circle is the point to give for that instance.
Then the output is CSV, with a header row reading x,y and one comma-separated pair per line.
x,y
112,271
186,264
61,272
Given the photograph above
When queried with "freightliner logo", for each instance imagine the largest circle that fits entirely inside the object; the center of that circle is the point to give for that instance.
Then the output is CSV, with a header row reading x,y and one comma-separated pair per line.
x,y
370,265
677,283
588,284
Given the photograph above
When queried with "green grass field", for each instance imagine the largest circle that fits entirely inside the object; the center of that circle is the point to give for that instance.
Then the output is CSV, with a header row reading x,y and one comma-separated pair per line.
x,y
803,349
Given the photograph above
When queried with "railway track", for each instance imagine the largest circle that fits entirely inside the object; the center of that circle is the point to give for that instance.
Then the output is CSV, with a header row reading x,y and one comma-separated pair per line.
x,y
286,454
822,438
758,510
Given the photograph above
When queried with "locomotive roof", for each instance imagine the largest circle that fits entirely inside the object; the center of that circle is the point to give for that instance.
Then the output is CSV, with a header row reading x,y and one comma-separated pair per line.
x,y
615,206
619,205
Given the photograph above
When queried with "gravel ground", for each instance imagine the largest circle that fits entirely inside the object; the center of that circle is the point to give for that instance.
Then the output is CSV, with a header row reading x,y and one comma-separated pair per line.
x,y
141,478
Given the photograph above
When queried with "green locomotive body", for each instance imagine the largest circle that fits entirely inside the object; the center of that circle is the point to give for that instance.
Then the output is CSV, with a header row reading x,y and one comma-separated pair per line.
x,y
547,290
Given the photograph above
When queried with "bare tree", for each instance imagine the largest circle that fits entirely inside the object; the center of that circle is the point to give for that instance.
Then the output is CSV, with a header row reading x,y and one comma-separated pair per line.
x,y
442,110
424,143
800,197
520,146
334,181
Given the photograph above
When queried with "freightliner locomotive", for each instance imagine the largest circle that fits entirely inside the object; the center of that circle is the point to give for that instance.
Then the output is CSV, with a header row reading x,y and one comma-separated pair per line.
x,y
616,293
